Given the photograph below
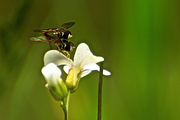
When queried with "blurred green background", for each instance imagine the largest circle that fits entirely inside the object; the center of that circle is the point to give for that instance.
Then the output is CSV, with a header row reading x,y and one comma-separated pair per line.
x,y
139,39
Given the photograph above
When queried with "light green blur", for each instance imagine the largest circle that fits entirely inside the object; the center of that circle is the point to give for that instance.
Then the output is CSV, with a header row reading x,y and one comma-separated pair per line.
x,y
139,39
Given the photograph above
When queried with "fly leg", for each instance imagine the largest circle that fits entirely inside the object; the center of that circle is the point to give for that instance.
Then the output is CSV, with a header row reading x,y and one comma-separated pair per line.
x,y
66,53
50,46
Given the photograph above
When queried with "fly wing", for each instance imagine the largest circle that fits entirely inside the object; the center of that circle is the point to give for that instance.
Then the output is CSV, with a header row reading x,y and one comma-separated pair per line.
x,y
48,30
39,39
67,25
54,40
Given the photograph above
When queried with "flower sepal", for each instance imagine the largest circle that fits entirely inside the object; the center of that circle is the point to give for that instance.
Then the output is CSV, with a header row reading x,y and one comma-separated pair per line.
x,y
59,92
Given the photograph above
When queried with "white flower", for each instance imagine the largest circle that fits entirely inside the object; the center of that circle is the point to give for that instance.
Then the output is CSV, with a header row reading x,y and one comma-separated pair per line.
x,y
55,84
84,63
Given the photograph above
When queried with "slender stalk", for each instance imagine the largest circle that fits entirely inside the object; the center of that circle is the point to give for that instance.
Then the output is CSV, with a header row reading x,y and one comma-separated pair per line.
x,y
64,109
65,106
65,115
100,91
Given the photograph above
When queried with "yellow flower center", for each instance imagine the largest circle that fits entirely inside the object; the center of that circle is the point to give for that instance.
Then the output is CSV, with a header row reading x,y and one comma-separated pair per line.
x,y
73,79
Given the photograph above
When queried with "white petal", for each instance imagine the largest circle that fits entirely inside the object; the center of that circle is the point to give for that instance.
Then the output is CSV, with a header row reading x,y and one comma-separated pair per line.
x,y
83,56
54,56
52,74
93,67
86,72
106,73
66,69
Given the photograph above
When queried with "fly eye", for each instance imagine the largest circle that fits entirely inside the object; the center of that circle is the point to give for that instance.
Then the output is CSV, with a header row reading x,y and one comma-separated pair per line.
x,y
71,46
66,34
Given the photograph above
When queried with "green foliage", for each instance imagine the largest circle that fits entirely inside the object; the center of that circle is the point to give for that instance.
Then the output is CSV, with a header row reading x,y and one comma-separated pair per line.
x,y
138,39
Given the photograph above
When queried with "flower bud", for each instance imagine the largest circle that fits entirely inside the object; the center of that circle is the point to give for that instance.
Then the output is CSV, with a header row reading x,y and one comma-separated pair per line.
x,y
55,84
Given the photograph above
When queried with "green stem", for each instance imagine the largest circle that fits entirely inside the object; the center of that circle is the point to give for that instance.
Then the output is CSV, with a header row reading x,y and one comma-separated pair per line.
x,y
100,91
65,106
67,103
65,115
